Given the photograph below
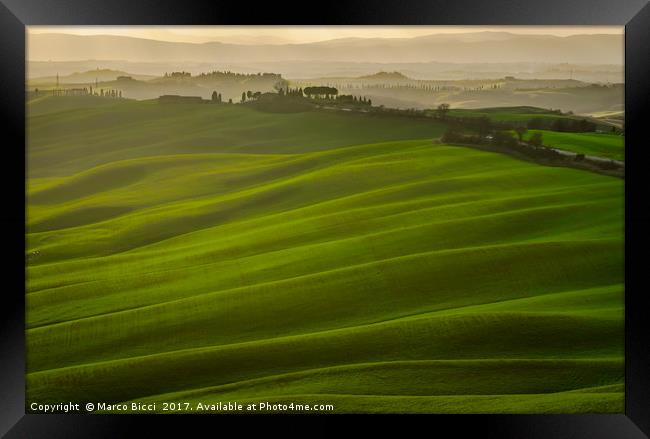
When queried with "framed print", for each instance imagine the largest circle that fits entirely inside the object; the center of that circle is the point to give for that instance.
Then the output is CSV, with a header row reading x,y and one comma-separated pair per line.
x,y
227,210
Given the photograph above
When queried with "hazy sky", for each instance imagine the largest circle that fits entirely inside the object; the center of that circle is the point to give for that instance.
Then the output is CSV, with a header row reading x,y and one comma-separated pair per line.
x,y
304,34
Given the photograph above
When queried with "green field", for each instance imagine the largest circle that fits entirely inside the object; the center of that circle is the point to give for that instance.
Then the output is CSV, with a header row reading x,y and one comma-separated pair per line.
x,y
611,146
204,253
81,136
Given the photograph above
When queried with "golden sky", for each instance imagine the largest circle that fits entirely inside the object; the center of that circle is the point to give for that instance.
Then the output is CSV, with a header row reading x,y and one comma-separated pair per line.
x,y
305,34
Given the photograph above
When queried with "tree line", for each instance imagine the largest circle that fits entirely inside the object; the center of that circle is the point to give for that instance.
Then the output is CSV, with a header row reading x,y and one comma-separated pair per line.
x,y
350,99
321,92
250,95
567,125
484,123
85,91
502,139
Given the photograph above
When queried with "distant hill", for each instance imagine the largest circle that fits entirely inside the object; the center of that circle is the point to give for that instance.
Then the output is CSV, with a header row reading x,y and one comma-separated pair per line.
x,y
457,48
430,70
88,77
387,76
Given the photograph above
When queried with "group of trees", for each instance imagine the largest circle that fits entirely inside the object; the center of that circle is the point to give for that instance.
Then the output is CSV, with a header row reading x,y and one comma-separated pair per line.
x,y
246,95
499,138
503,138
520,131
407,85
324,92
218,74
291,91
217,99
574,125
182,74
86,91
111,93
250,95
442,111
562,124
483,123
413,85
482,130
321,92
106,94
226,75
350,99
534,140
289,99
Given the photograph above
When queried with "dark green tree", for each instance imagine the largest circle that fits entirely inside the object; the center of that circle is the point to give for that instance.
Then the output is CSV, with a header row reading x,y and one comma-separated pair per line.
x,y
560,125
521,130
535,139
483,125
503,138
443,109
321,91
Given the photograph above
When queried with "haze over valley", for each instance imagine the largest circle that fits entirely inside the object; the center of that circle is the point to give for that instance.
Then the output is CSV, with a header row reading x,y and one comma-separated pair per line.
x,y
462,69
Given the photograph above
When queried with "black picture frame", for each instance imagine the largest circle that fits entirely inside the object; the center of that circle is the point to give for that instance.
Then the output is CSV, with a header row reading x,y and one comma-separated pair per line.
x,y
634,14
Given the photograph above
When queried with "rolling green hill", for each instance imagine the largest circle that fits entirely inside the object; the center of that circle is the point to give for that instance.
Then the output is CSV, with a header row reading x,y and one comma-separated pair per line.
x,y
80,137
204,253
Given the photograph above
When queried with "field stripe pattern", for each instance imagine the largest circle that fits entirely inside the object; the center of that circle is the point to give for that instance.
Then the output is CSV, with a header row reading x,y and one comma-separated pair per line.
x,y
400,275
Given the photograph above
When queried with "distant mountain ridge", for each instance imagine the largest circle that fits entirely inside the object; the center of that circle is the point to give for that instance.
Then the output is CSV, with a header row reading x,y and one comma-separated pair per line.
x,y
466,47
386,76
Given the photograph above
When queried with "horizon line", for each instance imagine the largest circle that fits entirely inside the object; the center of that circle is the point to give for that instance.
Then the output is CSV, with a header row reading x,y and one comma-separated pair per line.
x,y
139,32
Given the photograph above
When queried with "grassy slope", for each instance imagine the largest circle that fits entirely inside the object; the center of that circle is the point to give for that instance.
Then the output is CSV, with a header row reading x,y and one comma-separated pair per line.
x,y
78,138
610,146
237,260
